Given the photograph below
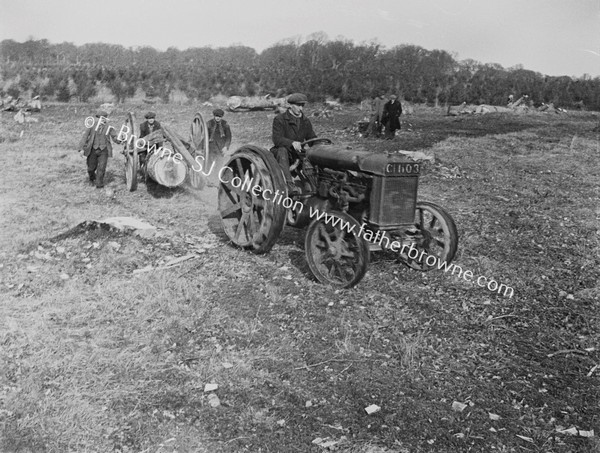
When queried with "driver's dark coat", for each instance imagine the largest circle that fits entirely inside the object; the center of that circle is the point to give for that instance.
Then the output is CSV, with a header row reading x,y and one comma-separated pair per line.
x,y
288,129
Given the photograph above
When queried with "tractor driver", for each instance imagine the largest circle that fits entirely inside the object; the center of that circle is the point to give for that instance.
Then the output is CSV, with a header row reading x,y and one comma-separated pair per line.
x,y
290,129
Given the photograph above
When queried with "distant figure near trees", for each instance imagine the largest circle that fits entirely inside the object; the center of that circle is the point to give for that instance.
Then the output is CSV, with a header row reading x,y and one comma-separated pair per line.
x,y
391,116
375,122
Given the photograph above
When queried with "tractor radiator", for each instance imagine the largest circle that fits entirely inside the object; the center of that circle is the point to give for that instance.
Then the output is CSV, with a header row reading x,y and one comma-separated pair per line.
x,y
393,201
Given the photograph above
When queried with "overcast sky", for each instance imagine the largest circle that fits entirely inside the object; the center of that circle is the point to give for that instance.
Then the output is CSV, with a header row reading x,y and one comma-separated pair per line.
x,y
554,37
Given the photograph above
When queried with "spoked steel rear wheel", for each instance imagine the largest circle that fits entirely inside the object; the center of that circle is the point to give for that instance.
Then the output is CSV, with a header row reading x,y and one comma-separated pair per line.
x,y
252,218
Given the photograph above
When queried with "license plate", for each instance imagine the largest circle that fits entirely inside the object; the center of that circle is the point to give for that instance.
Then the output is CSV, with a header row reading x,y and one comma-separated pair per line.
x,y
403,168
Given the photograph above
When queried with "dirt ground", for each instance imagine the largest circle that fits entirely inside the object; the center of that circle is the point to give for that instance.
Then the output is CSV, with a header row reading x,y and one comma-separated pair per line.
x,y
106,347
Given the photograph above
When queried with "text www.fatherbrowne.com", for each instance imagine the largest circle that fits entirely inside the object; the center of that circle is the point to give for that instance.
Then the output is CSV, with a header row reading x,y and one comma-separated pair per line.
x,y
409,250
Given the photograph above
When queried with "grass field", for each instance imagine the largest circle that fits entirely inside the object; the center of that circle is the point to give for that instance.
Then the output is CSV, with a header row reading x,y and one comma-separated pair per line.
x,y
95,357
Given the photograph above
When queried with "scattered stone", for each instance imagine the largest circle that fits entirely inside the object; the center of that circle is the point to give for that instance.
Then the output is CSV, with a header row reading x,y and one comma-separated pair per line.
x,y
64,276
458,407
210,387
373,408
227,365
308,403
213,400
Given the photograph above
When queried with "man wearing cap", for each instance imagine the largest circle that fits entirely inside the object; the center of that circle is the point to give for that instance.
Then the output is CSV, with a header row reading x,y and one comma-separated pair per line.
x,y
97,147
219,137
376,116
290,129
391,117
146,128
150,125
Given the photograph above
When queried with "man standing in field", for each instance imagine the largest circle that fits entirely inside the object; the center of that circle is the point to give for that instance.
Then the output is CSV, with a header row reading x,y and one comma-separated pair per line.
x,y
219,137
376,116
290,129
152,143
97,147
391,117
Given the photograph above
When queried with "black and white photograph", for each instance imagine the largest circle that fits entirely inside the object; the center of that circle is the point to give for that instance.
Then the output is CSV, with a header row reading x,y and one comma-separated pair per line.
x,y
311,226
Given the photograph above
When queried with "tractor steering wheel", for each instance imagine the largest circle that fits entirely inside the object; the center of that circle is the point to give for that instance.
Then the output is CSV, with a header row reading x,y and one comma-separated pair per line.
x,y
313,141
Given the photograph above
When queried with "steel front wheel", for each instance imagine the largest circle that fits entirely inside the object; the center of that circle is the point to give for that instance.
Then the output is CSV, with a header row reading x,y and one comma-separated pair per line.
x,y
434,235
251,195
335,252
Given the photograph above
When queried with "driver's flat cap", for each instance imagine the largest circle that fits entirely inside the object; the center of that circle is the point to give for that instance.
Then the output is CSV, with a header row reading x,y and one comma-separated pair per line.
x,y
298,99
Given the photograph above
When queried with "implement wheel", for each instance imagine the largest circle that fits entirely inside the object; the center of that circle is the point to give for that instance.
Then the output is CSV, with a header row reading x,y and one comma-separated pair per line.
x,y
336,254
252,218
435,234
132,163
199,140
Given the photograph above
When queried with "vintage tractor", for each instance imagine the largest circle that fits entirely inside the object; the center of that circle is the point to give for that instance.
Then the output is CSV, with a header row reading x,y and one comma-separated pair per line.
x,y
353,201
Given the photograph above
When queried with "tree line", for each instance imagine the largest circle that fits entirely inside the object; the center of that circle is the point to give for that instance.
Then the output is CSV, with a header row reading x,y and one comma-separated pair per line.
x,y
318,67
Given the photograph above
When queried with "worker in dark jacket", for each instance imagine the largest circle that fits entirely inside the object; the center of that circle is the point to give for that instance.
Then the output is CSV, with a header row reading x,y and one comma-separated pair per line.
x,y
146,128
290,129
219,137
150,125
97,147
375,123
391,116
